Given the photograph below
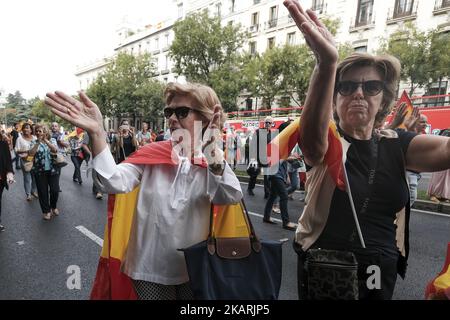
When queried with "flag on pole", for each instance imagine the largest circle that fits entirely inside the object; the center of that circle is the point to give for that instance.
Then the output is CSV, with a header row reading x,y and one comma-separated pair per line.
x,y
285,142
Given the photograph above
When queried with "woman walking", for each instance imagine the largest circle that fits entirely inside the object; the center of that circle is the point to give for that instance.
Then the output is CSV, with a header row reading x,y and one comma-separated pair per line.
x,y
6,172
23,145
45,171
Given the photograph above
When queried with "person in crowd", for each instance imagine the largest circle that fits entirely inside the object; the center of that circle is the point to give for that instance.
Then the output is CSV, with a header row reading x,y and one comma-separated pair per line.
x,y
261,138
15,135
415,123
45,171
160,136
6,172
439,187
61,142
77,155
359,92
145,135
23,146
126,142
230,144
174,201
295,164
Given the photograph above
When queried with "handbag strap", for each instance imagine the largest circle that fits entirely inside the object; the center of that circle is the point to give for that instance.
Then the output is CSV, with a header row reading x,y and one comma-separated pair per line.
x,y
371,182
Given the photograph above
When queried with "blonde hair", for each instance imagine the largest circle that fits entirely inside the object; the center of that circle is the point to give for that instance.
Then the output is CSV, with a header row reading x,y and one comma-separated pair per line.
x,y
45,130
389,68
205,98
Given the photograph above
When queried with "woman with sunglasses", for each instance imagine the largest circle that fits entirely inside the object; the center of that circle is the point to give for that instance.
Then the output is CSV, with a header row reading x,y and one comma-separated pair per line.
x,y
359,92
175,197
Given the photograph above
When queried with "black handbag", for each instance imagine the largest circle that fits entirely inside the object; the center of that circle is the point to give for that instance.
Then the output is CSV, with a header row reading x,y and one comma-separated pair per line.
x,y
234,268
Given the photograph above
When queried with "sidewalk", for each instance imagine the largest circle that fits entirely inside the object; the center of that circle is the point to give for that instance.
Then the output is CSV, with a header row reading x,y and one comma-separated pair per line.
x,y
424,205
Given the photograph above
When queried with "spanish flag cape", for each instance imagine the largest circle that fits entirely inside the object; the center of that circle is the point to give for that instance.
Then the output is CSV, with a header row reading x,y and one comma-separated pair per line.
x,y
284,143
110,282
439,287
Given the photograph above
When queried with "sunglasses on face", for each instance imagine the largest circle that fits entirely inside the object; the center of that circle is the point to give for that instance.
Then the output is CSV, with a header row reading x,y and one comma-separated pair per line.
x,y
370,88
180,112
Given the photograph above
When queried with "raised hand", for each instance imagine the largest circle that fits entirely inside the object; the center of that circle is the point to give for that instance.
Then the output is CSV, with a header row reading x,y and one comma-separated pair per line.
x,y
412,120
211,150
84,113
316,34
399,117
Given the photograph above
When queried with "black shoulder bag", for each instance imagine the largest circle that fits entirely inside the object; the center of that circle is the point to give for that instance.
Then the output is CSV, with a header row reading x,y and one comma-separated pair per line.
x,y
333,274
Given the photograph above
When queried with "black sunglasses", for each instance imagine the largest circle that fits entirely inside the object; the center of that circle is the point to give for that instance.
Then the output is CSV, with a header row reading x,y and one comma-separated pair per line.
x,y
180,112
370,88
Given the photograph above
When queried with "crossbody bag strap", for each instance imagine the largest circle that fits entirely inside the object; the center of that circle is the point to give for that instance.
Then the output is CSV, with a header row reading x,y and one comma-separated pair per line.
x,y
371,182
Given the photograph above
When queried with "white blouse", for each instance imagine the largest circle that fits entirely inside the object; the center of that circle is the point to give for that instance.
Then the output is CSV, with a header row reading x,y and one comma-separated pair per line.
x,y
24,145
172,212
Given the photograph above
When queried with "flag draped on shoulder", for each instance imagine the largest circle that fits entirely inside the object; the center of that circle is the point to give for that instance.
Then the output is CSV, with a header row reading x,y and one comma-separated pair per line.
x,y
110,282
285,142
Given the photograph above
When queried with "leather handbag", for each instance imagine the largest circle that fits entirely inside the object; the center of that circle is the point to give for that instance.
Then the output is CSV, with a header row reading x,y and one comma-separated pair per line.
x,y
234,268
59,160
27,163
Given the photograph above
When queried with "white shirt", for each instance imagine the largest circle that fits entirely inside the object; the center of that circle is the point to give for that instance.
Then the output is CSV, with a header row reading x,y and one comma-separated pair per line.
x,y
172,212
24,145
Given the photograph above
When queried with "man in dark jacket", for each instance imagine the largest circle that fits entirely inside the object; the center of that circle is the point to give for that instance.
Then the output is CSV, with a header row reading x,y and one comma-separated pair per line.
x,y
6,172
15,135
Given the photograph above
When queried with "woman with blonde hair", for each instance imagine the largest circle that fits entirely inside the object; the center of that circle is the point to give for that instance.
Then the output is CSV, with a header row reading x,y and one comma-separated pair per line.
x,y
176,191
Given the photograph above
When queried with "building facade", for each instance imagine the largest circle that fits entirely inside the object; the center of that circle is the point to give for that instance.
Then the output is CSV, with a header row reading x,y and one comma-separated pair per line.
x,y
363,23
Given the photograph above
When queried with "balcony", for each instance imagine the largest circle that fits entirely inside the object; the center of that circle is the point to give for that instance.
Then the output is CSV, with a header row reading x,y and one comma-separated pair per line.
x,y
398,14
166,48
165,71
156,51
271,23
441,7
362,24
254,28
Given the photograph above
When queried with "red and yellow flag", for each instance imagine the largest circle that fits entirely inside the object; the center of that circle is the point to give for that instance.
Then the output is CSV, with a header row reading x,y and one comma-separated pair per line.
x,y
439,287
285,142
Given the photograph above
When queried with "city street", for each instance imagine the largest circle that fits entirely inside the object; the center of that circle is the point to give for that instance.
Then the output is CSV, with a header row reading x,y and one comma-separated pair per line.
x,y
36,254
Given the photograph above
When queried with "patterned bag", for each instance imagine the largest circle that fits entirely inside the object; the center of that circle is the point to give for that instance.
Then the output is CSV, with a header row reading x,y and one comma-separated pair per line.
x,y
332,275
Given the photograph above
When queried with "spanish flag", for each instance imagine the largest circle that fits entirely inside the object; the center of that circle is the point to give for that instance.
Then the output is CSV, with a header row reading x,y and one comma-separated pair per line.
x,y
285,142
439,287
110,282
409,106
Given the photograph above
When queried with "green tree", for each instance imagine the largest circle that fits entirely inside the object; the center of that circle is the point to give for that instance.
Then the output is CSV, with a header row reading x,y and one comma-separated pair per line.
x,y
413,48
127,87
20,108
440,56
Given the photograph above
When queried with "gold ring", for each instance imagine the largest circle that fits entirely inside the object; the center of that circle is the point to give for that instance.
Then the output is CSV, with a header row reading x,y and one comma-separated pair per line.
x,y
67,111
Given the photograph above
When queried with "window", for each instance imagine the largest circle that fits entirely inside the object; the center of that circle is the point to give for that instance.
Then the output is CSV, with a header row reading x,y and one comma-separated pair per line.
x,y
232,4
180,10
156,46
166,40
255,18
166,62
139,48
317,5
365,12
361,49
252,47
271,42
291,38
403,8
256,1
273,16
218,9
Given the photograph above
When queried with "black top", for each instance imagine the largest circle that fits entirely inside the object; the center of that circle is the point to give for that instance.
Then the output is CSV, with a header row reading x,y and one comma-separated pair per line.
x,y
5,163
15,136
128,148
388,196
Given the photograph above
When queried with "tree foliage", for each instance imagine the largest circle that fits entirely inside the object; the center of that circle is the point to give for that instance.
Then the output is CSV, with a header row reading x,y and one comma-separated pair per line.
x,y
127,88
414,49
